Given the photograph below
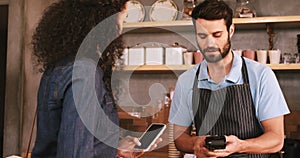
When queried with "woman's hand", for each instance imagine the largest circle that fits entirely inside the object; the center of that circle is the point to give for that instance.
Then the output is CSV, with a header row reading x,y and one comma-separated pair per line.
x,y
126,147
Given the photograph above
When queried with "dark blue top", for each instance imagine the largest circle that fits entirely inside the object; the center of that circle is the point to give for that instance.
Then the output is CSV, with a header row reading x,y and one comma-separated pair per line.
x,y
76,115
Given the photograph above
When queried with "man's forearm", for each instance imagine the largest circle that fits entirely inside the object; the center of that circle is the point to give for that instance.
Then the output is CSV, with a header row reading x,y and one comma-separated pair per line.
x,y
269,142
266,143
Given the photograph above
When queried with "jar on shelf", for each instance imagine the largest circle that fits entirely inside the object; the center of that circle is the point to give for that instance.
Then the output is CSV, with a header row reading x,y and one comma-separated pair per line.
x,y
189,5
244,9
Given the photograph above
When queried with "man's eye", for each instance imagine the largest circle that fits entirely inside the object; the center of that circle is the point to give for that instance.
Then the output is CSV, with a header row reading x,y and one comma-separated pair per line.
x,y
217,34
202,36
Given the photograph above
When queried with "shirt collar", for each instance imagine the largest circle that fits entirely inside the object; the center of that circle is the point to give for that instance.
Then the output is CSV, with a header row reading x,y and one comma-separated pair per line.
x,y
236,69
234,74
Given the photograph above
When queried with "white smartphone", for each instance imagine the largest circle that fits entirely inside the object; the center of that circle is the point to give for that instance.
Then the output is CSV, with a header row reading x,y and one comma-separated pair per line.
x,y
150,135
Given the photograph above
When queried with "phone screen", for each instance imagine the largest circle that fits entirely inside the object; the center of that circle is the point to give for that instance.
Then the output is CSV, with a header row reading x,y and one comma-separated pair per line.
x,y
150,135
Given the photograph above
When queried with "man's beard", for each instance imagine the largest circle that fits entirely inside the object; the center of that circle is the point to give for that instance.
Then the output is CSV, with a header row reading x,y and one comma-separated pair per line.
x,y
216,58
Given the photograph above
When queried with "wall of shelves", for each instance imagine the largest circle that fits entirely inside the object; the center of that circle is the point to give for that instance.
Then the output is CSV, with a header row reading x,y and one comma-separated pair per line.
x,y
251,33
268,22
278,21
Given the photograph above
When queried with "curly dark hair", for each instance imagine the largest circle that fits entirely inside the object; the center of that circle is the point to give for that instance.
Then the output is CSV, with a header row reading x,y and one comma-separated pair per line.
x,y
65,25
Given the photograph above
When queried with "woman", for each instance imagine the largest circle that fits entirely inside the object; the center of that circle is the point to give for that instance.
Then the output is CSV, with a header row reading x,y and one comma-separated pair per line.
x,y
70,121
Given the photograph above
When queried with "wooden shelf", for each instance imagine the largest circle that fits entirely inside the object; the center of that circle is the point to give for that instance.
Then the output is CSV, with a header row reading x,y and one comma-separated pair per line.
x,y
284,66
149,26
267,19
279,22
157,68
244,23
177,23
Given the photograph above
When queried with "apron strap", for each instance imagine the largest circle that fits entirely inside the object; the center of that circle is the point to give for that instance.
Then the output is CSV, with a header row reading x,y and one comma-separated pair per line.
x,y
245,72
195,99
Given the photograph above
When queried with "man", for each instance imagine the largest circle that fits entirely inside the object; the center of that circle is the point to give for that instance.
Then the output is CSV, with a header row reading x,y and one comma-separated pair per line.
x,y
226,94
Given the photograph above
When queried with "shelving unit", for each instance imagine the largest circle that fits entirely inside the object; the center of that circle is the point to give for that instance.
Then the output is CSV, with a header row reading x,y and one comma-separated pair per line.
x,y
268,22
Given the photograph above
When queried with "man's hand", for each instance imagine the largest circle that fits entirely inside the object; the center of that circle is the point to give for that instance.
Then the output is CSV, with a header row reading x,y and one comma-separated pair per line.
x,y
200,150
232,146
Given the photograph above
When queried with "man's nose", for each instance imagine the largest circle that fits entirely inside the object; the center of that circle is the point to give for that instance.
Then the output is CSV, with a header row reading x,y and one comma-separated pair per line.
x,y
211,42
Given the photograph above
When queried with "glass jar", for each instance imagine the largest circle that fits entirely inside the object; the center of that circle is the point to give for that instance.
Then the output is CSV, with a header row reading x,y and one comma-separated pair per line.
x,y
244,9
189,5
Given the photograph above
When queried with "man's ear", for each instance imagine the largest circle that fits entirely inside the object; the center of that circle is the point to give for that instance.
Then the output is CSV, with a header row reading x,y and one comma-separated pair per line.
x,y
231,30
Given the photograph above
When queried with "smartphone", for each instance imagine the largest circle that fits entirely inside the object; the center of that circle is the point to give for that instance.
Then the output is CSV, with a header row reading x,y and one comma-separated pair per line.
x,y
150,135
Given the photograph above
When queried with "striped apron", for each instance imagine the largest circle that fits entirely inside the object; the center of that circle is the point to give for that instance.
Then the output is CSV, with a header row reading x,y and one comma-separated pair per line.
x,y
227,111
